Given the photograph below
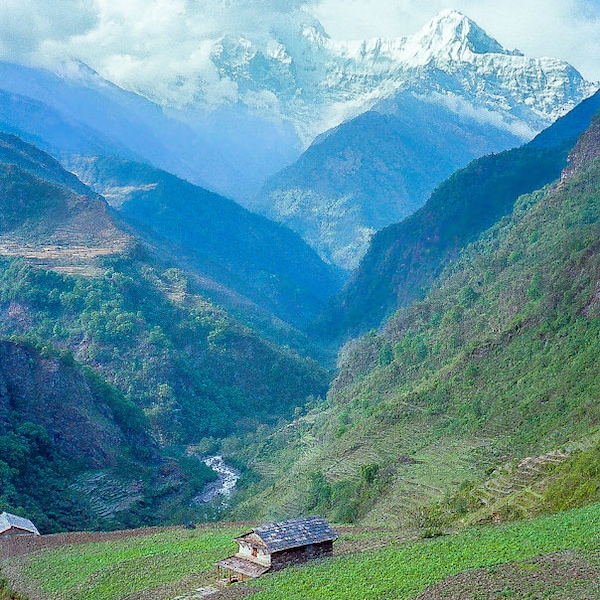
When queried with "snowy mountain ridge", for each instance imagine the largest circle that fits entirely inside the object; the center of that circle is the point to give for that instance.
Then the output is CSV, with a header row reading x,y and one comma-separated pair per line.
x,y
266,97
317,82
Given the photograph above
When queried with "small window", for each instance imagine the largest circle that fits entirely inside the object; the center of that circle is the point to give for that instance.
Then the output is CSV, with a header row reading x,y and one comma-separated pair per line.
x,y
254,551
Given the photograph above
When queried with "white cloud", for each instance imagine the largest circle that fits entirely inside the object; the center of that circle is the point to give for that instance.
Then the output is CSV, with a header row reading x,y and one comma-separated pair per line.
x,y
25,24
159,47
461,107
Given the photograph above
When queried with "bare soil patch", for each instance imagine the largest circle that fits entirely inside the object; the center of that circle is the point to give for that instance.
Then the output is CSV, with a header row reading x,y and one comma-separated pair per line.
x,y
24,545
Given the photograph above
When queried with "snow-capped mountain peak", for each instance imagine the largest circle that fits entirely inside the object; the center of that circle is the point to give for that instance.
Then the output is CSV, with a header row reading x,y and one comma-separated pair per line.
x,y
312,75
294,75
315,34
450,35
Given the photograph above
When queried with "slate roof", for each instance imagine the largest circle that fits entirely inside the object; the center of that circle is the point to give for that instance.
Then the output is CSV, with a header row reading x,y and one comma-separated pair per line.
x,y
8,521
294,533
245,567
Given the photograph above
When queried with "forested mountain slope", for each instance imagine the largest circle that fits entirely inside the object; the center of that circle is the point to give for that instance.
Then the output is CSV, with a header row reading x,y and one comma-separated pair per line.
x,y
498,362
73,281
229,247
13,150
104,295
404,259
59,421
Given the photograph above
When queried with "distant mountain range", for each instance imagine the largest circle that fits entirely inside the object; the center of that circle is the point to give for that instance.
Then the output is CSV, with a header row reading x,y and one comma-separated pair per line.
x,y
290,88
373,171
75,112
319,82
436,100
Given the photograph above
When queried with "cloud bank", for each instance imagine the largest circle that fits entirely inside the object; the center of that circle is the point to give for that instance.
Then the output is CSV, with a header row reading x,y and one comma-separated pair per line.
x,y
160,47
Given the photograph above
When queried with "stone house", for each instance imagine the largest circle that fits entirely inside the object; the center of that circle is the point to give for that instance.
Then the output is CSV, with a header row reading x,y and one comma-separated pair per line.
x,y
12,526
272,547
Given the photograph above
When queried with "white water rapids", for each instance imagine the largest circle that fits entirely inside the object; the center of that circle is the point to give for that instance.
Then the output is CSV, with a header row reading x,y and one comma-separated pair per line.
x,y
223,486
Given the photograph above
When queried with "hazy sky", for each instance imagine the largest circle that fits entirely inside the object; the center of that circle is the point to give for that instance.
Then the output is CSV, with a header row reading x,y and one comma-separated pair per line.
x,y
165,41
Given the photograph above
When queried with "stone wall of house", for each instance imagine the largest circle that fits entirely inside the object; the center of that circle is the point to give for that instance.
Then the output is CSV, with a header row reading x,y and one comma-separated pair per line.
x,y
15,532
296,556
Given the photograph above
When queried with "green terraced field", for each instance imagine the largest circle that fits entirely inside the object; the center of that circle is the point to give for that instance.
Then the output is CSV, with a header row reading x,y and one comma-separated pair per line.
x,y
166,564
403,572
159,564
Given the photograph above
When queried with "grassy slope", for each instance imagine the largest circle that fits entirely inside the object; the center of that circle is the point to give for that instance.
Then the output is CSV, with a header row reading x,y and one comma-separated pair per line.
x,y
168,563
402,572
123,565
500,358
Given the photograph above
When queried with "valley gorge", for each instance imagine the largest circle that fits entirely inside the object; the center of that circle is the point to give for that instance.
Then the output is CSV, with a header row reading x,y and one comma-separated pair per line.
x,y
313,276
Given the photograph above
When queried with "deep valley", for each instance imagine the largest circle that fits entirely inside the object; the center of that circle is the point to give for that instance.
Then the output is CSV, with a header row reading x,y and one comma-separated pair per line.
x,y
361,281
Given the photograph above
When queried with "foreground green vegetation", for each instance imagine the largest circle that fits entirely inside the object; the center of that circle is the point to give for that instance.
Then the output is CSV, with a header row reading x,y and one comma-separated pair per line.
x,y
402,572
576,482
113,569
169,563
6,592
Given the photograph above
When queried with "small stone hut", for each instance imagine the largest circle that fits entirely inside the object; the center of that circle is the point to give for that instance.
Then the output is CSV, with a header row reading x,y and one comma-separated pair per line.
x,y
272,547
12,526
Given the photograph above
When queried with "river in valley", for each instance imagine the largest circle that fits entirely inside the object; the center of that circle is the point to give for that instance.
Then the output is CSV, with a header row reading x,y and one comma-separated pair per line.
x,y
221,489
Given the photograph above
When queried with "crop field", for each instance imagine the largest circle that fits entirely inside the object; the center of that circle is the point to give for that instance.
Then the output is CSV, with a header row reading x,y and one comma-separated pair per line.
x,y
161,564
408,570
554,557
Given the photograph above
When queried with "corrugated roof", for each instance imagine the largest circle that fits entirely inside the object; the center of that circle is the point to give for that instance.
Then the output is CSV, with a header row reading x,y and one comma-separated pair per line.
x,y
7,521
295,533
245,567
